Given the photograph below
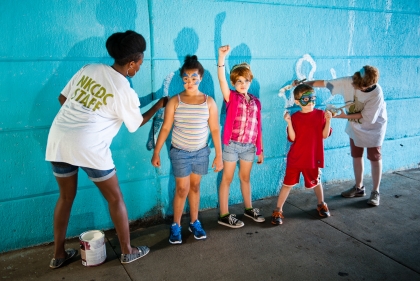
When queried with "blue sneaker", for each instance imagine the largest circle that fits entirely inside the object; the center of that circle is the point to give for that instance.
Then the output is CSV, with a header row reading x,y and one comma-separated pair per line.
x,y
198,231
175,234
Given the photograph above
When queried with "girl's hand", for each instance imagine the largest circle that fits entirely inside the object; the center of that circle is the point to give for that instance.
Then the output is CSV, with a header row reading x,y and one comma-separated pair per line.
x,y
260,158
328,114
287,117
155,160
217,164
224,50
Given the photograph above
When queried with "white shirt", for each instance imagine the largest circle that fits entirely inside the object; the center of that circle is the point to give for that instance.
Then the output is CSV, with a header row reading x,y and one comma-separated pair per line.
x,y
369,131
99,100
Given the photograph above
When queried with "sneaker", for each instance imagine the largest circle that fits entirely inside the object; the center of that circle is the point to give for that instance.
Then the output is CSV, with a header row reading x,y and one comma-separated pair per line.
x,y
354,192
276,218
175,234
127,258
254,214
323,210
198,231
374,198
230,221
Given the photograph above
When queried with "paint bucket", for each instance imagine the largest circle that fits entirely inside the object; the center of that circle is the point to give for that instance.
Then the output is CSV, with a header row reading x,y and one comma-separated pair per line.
x,y
92,247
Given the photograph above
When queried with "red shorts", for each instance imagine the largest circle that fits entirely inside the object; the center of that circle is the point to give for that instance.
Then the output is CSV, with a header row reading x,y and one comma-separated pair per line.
x,y
373,153
312,177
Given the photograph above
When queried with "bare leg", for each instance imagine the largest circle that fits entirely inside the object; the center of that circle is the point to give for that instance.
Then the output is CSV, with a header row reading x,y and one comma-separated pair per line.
x,y
244,176
319,193
358,171
110,189
376,167
228,172
182,188
284,193
68,189
194,196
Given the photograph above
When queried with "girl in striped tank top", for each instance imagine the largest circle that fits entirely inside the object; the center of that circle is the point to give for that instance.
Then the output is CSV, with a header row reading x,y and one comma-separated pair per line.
x,y
190,114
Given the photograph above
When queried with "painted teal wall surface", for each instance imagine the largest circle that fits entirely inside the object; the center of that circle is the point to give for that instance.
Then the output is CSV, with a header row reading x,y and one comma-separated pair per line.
x,y
45,42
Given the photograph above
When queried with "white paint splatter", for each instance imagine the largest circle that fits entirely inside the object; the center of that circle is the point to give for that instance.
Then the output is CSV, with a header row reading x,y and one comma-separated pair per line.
x,y
308,58
333,74
351,22
388,16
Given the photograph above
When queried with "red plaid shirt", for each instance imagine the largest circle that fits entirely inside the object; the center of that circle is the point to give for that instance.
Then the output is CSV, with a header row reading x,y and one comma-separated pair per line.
x,y
245,126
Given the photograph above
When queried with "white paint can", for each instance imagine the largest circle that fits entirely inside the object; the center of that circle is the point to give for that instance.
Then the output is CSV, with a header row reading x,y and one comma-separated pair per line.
x,y
92,247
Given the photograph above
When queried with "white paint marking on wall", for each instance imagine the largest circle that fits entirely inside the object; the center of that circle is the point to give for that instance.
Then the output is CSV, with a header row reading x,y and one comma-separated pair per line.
x,y
333,74
351,22
388,16
299,74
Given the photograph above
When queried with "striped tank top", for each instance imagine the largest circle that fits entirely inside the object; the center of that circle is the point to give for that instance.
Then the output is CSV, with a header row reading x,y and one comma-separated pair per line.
x,y
191,128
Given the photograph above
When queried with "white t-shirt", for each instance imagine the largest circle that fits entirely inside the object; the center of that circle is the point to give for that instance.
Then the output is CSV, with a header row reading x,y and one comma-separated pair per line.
x,y
369,131
99,100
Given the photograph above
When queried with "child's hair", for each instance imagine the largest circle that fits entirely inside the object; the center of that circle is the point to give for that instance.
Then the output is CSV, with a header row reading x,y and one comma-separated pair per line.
x,y
191,62
242,69
125,47
301,89
365,77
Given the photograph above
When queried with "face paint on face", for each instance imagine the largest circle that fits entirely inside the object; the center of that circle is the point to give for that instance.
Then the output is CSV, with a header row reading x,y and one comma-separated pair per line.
x,y
307,97
191,78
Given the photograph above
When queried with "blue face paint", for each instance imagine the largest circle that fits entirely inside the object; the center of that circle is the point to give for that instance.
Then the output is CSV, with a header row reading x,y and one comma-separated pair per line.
x,y
306,98
195,78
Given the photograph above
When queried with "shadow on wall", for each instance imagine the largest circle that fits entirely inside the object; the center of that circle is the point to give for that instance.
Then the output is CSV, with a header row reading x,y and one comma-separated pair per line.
x,y
186,43
122,18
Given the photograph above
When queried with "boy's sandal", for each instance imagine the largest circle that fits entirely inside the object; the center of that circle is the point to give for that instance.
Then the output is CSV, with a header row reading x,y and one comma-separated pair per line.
x,y
127,258
56,263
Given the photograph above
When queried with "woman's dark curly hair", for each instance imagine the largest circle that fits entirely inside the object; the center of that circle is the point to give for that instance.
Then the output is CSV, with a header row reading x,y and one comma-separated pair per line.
x,y
127,46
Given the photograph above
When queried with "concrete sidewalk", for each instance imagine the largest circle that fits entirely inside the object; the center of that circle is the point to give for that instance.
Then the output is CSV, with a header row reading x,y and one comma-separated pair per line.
x,y
357,242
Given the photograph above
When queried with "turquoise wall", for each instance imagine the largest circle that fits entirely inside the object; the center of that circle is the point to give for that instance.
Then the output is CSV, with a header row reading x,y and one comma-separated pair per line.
x,y
44,42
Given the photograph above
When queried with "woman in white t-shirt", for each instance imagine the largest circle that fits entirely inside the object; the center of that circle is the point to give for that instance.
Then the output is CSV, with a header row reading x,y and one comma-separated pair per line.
x,y
94,104
366,126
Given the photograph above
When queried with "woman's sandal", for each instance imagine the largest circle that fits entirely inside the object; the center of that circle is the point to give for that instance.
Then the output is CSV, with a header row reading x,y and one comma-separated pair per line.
x,y
56,263
127,258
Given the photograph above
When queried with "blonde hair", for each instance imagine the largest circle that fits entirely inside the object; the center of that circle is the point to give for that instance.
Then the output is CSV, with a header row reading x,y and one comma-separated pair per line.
x,y
242,69
365,77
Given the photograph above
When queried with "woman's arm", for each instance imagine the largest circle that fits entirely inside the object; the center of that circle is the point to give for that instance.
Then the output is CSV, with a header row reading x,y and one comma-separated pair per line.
x,y
158,105
215,134
168,121
224,87
62,99
313,83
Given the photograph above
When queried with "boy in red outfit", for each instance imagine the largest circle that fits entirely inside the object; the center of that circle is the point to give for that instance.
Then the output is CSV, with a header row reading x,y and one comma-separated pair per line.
x,y
306,129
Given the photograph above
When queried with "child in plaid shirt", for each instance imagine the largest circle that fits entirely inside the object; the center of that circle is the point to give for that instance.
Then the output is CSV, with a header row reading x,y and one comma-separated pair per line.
x,y
242,138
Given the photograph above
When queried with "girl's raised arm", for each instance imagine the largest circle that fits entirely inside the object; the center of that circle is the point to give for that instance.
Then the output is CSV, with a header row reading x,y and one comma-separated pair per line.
x,y
223,51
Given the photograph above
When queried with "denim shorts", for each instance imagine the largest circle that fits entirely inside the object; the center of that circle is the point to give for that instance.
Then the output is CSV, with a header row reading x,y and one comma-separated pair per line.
x,y
186,162
63,170
236,150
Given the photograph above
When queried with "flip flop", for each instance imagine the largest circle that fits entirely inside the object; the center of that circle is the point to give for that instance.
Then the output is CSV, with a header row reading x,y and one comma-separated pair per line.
x,y
56,263
127,258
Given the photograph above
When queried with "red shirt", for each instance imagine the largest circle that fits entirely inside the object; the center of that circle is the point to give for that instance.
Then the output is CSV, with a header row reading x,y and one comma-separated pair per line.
x,y
307,151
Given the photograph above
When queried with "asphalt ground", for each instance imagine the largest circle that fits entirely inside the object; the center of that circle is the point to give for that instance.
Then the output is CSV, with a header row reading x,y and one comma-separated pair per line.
x,y
358,242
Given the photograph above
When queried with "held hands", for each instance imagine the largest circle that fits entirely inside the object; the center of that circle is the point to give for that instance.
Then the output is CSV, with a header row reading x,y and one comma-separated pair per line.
x,y
224,50
297,82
